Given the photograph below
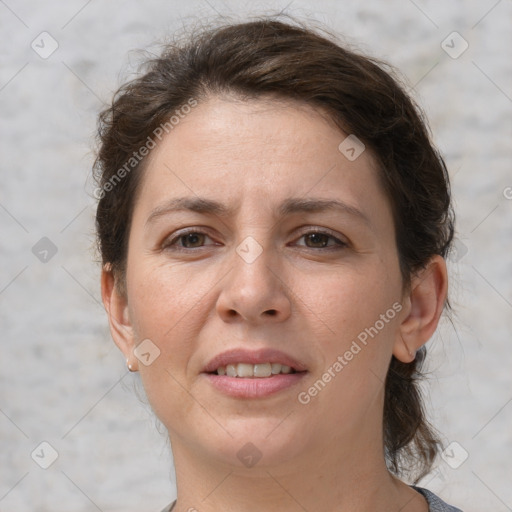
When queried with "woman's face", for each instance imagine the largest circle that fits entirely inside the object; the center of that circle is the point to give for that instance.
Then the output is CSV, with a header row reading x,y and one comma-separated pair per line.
x,y
252,277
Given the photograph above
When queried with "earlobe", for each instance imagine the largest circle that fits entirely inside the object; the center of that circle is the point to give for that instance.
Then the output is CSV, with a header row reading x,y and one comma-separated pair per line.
x,y
403,351
116,305
426,300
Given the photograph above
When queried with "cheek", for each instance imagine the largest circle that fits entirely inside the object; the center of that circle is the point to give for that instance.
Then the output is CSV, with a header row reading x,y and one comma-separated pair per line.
x,y
164,308
355,357
349,299
163,298
356,311
170,305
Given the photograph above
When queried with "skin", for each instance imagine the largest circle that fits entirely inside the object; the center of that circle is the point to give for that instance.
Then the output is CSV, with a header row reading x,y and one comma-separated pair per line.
x,y
325,455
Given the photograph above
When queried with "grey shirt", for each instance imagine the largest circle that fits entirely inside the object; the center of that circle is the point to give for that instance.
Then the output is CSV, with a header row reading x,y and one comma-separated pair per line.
x,y
435,504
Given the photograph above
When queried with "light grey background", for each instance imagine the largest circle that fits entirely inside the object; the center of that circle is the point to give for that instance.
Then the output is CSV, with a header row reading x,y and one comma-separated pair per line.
x,y
62,379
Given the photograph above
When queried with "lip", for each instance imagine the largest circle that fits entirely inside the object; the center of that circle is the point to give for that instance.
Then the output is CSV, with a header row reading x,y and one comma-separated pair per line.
x,y
239,387
241,355
255,387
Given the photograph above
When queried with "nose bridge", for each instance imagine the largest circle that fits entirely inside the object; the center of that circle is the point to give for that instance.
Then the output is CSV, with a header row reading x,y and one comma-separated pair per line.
x,y
255,245
253,288
254,258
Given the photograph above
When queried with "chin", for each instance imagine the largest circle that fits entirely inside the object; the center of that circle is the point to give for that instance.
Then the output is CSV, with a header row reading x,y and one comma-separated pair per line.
x,y
257,443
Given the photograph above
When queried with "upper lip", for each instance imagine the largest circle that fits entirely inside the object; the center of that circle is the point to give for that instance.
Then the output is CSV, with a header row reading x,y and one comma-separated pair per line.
x,y
264,355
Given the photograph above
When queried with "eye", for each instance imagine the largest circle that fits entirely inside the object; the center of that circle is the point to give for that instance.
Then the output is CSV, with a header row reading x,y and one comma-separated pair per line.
x,y
195,239
186,240
320,240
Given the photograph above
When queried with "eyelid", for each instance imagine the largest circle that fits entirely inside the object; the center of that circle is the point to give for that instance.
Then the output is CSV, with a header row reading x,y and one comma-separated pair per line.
x,y
340,241
172,241
175,237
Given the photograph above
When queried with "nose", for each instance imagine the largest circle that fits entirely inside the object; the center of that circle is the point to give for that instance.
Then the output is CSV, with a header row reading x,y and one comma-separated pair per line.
x,y
254,290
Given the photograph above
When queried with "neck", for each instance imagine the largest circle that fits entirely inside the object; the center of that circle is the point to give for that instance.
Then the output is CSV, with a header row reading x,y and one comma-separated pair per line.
x,y
327,481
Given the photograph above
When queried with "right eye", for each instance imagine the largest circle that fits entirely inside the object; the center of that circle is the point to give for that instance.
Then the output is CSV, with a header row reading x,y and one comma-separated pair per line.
x,y
183,240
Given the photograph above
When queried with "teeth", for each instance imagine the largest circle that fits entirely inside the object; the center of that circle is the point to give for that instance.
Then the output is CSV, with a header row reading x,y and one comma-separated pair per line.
x,y
262,370
246,370
276,368
230,370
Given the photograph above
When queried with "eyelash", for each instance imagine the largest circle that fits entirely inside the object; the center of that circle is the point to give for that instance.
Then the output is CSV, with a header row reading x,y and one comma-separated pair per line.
x,y
171,244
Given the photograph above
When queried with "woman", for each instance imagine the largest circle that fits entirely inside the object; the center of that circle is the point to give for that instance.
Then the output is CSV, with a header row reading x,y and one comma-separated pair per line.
x,y
273,221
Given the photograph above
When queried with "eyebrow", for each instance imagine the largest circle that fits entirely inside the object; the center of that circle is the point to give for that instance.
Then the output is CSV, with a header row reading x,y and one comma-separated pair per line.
x,y
288,206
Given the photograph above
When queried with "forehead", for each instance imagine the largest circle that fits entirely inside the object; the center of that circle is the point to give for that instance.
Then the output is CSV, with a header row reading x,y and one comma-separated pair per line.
x,y
254,150
240,128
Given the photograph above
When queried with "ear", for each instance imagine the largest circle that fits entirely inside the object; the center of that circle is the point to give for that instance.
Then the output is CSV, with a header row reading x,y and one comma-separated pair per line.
x,y
423,306
121,328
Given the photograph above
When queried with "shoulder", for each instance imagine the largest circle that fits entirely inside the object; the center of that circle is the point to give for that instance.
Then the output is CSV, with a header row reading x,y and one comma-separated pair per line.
x,y
435,503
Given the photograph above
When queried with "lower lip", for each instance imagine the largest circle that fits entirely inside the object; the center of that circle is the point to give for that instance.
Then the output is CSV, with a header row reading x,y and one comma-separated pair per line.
x,y
256,387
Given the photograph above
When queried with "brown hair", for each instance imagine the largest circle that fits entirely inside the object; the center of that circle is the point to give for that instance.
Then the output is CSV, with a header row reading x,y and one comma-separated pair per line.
x,y
360,94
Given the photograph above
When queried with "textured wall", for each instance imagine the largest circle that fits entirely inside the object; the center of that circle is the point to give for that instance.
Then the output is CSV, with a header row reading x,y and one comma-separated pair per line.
x,y
62,379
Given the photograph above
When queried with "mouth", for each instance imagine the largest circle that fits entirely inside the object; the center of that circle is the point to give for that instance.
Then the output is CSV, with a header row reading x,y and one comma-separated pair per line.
x,y
241,373
254,371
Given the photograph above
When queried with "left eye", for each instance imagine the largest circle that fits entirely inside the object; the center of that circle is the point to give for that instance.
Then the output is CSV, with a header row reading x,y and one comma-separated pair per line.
x,y
321,239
